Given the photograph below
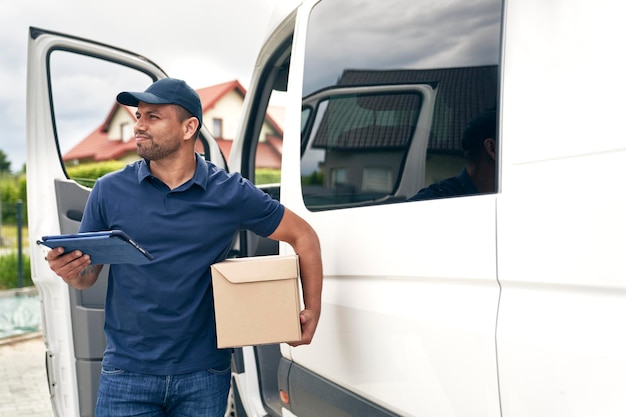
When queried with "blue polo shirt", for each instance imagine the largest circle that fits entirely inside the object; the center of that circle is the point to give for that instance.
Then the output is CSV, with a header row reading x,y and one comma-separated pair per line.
x,y
451,187
159,317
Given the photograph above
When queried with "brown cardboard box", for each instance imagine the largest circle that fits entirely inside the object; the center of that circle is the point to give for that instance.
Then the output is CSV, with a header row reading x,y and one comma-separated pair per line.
x,y
257,300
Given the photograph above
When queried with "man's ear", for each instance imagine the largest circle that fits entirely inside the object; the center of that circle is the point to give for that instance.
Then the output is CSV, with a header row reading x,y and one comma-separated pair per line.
x,y
190,127
490,147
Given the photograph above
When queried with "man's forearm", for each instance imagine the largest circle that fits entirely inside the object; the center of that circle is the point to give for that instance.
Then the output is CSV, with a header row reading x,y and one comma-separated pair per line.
x,y
86,278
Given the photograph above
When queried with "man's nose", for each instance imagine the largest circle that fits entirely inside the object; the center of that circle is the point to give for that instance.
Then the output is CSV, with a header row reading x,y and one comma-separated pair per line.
x,y
139,126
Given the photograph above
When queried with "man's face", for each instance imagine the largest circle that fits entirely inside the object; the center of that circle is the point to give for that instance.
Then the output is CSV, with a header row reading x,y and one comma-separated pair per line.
x,y
158,131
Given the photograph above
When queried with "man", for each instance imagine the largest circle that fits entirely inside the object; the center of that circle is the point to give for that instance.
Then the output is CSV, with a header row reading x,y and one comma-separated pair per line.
x,y
479,174
161,357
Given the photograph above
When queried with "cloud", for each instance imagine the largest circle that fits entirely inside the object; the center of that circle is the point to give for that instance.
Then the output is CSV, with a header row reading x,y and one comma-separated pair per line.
x,y
417,35
202,42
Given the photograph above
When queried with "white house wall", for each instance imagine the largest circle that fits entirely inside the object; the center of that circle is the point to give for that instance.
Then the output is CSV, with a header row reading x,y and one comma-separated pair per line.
x,y
120,117
228,108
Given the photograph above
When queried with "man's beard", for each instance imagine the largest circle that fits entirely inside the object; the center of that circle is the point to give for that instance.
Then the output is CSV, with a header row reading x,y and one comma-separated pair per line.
x,y
155,152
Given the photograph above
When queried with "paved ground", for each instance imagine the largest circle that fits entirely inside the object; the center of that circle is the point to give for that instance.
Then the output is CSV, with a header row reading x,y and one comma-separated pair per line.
x,y
23,384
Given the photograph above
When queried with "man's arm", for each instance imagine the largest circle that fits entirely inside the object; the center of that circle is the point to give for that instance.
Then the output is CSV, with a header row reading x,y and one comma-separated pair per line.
x,y
74,267
301,236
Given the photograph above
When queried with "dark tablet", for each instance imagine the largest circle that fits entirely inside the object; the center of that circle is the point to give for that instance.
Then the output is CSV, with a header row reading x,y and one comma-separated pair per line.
x,y
108,247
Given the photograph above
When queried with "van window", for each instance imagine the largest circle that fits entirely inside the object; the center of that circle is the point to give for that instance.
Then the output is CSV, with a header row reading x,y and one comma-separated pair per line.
x,y
357,146
94,134
268,160
388,93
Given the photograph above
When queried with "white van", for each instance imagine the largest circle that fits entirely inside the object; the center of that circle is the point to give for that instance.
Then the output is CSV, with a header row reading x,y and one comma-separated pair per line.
x,y
508,303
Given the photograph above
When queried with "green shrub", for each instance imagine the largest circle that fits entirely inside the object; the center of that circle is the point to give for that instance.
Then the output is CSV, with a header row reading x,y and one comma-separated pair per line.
x,y
316,178
267,176
87,174
12,190
9,271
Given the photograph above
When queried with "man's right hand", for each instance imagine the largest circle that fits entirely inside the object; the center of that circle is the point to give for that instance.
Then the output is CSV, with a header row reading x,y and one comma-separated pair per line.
x,y
74,267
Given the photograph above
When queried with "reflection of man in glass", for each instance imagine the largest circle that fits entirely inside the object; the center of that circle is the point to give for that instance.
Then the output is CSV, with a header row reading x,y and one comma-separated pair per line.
x,y
479,174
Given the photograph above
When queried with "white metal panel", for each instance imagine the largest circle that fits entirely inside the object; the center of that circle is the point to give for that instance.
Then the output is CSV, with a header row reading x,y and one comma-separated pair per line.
x,y
409,305
561,223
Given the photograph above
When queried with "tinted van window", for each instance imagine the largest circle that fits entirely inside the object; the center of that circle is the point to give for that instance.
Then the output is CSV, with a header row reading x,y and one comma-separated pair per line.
x,y
388,94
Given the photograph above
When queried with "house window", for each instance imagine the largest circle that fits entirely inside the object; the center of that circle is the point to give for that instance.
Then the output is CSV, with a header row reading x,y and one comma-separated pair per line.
x,y
377,180
339,176
127,132
218,125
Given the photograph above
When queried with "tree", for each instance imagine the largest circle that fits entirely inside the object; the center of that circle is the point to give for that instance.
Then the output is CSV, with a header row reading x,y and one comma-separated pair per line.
x,y
5,164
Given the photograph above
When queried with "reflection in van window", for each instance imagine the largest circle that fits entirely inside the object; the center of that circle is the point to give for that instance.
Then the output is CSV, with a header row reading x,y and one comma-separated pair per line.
x,y
478,175
363,144
356,147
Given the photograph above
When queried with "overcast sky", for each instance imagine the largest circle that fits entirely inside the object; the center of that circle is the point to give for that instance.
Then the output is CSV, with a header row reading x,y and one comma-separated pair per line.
x,y
205,43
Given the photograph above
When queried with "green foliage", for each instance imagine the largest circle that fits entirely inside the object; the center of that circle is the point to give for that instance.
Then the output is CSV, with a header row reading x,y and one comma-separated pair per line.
x,y
9,237
272,176
12,190
9,271
87,174
316,178
267,176
5,164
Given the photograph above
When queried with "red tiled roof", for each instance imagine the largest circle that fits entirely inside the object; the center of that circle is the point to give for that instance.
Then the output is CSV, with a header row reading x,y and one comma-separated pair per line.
x,y
276,143
209,96
98,147
267,156
225,146
268,153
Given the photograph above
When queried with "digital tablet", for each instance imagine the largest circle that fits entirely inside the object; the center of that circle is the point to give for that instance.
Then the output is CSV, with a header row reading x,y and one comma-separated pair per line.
x,y
108,247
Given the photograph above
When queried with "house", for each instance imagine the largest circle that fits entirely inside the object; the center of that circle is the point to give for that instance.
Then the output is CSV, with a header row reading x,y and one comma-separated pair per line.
x,y
221,108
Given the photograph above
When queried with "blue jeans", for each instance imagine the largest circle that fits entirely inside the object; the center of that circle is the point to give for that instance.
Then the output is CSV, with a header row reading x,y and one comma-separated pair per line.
x,y
196,394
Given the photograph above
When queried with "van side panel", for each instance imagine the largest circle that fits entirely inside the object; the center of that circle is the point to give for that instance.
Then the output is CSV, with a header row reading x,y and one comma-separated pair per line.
x,y
420,343
561,223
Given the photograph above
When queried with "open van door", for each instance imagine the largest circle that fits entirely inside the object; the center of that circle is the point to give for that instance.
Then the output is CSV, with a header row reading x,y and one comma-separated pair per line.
x,y
73,120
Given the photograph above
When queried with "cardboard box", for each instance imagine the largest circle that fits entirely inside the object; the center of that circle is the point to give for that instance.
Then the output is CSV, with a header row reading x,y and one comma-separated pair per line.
x,y
257,300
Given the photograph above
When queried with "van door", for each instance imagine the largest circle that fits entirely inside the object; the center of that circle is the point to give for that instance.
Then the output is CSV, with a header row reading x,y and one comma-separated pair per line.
x,y
76,132
375,106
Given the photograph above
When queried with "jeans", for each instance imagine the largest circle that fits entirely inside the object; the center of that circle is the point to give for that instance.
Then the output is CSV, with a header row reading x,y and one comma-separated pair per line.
x,y
196,394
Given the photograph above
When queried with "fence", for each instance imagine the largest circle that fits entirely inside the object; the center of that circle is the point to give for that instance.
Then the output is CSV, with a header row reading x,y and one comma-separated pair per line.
x,y
14,261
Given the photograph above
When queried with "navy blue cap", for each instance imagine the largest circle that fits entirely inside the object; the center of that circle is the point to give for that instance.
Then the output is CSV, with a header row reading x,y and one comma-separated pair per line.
x,y
478,129
166,91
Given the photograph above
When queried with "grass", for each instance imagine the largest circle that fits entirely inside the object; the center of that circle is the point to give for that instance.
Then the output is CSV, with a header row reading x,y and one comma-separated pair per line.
x,y
9,236
9,270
